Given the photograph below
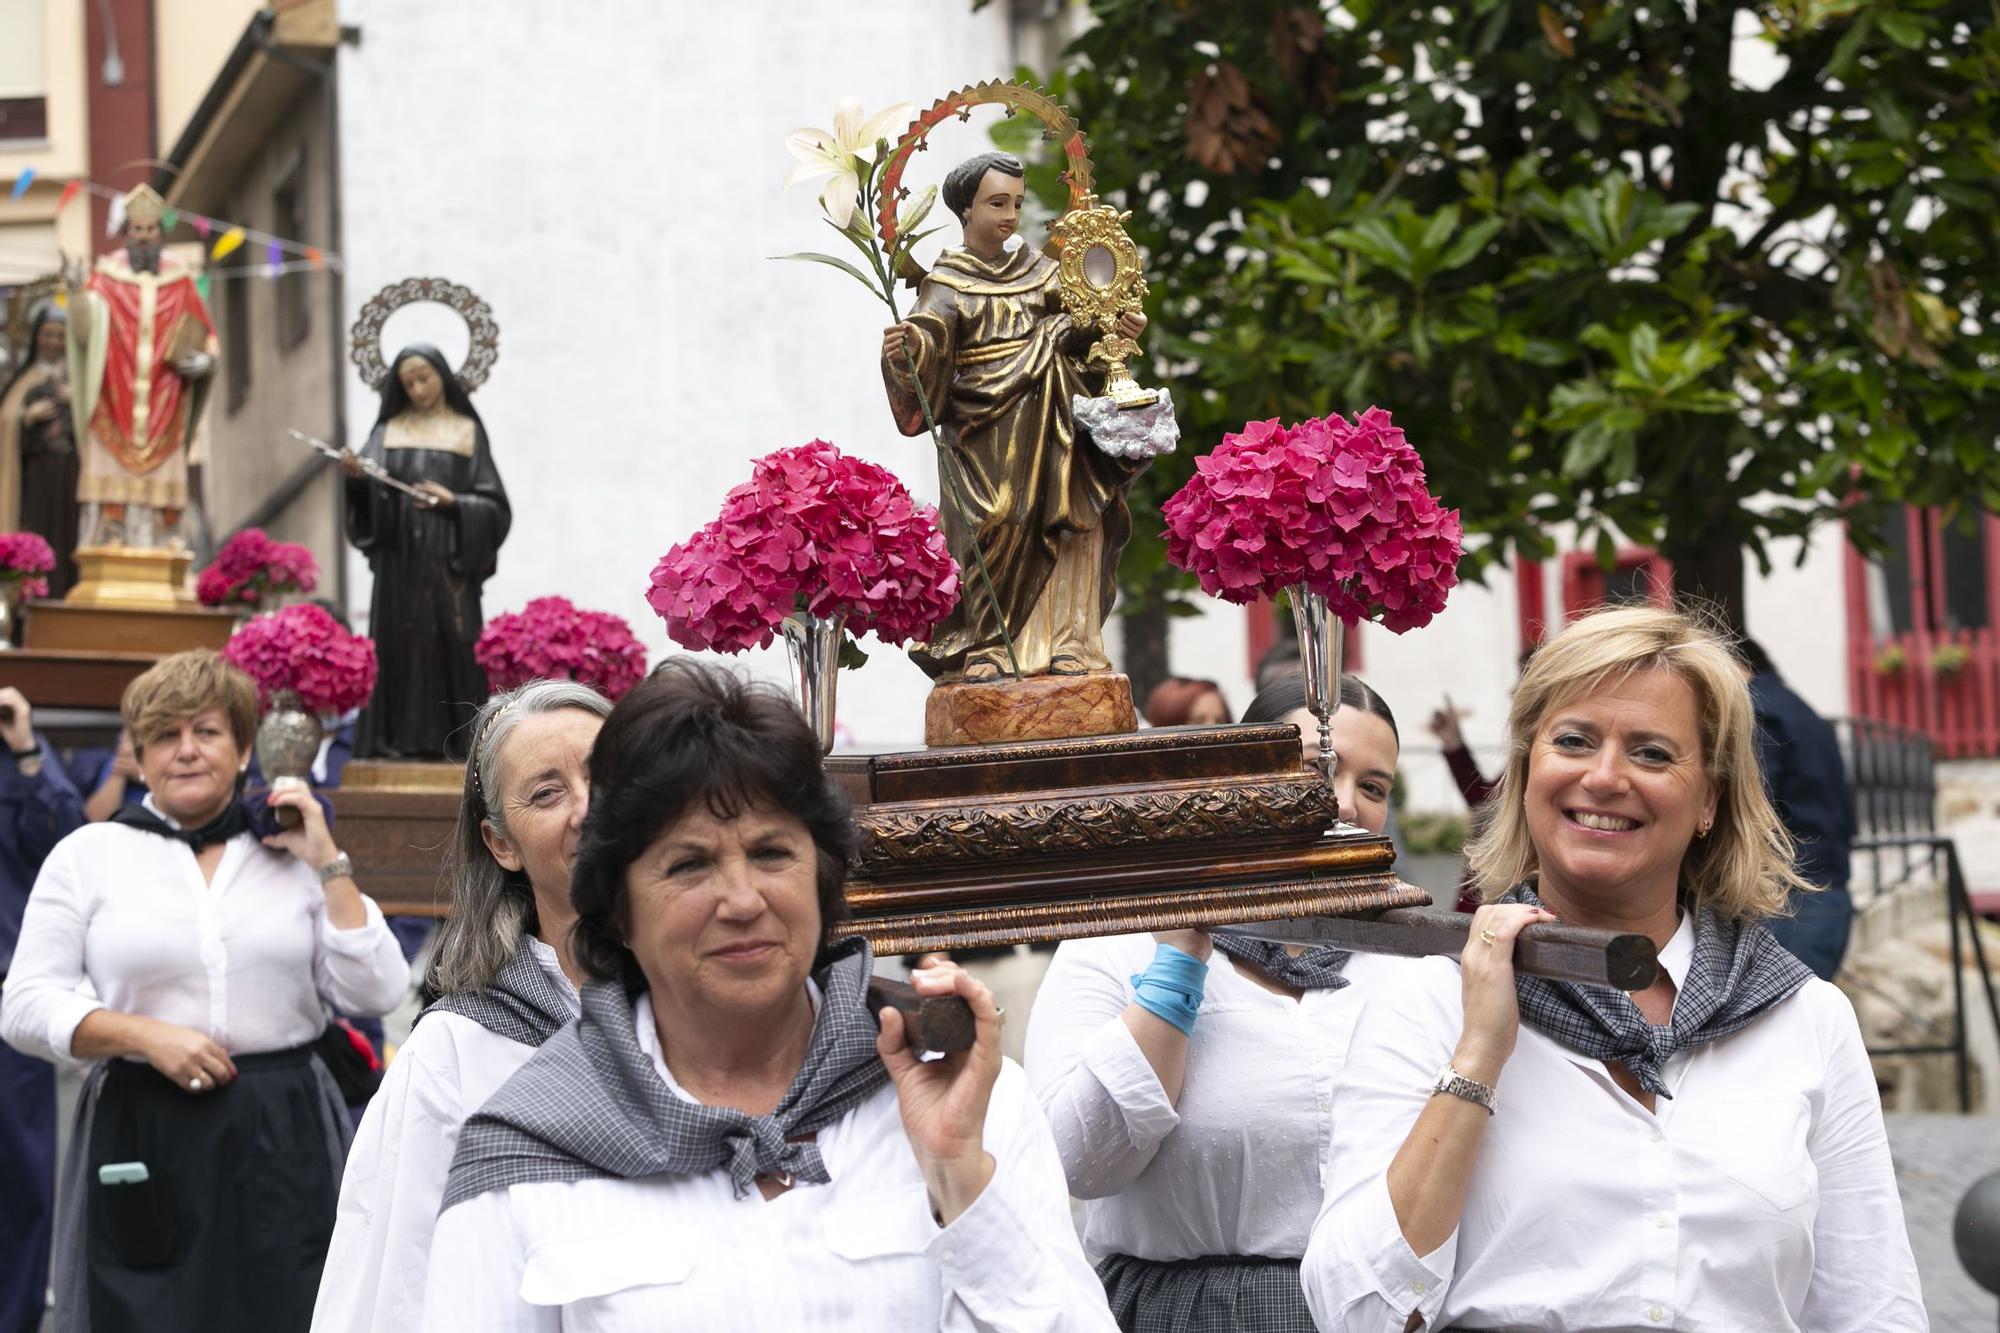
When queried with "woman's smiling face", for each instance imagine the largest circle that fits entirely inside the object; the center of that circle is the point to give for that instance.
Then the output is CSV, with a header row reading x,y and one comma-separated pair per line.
x,y
1618,787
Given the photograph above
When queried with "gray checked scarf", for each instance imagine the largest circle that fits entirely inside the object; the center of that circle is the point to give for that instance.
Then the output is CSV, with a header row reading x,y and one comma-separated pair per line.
x,y
522,1003
1738,971
589,1104
1318,968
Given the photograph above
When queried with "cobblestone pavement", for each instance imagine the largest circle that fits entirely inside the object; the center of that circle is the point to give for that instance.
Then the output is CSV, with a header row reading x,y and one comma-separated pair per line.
x,y
1937,1159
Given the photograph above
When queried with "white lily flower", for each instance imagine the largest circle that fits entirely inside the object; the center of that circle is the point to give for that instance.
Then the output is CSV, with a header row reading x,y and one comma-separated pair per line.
x,y
916,210
839,153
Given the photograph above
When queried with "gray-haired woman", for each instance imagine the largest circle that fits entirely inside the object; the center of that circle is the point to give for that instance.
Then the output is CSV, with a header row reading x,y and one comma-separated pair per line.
x,y
504,980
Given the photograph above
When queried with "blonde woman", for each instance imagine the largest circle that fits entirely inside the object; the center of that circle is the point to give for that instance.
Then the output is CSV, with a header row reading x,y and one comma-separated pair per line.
x,y
1706,1154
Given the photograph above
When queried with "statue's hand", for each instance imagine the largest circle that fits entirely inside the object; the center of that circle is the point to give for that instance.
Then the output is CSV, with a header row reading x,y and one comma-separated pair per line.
x,y
195,365
350,464
42,409
899,348
1131,325
438,497
74,276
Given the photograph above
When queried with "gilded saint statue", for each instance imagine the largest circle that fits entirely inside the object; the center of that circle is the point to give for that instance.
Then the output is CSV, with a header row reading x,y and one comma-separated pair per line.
x,y
1001,363
141,352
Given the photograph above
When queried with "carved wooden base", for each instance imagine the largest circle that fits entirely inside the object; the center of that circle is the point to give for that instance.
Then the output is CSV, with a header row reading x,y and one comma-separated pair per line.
x,y
1037,708
82,627
396,819
1043,840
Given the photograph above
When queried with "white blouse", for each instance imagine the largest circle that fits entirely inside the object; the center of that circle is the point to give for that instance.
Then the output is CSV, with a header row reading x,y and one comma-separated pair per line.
x,y
244,959
1759,1196
862,1253
1234,1167
389,1195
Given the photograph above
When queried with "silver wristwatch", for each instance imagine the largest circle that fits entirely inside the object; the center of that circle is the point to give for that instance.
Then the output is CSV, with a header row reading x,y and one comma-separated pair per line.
x,y
341,864
1454,1084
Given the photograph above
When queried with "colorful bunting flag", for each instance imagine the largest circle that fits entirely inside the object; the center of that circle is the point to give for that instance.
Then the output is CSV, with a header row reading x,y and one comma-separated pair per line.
x,y
169,218
201,225
69,192
230,242
23,181
315,258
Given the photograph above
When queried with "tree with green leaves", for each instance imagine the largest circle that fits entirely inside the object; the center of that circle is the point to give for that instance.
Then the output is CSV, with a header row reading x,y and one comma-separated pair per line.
x,y
1698,275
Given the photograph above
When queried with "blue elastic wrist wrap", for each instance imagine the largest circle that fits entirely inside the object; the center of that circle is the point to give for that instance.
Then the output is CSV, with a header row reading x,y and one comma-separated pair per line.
x,y
1171,986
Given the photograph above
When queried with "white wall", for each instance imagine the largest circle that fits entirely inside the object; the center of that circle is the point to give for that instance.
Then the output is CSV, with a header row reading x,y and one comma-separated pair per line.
x,y
607,177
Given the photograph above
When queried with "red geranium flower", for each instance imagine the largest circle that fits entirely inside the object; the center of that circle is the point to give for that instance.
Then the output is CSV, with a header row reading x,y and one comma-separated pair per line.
x,y
812,530
1338,506
550,639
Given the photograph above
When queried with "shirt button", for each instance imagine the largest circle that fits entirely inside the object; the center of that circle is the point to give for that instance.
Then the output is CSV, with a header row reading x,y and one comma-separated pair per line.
x,y
1656,1314
1419,1287
1662,1220
1657,1136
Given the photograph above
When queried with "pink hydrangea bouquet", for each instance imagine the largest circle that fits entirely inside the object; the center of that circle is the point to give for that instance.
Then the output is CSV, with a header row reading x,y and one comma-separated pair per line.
x,y
305,650
550,639
24,558
1338,507
251,568
813,530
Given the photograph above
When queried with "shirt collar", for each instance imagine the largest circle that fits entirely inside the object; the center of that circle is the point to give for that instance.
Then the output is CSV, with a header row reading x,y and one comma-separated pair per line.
x,y
1679,951
551,963
648,1034
152,808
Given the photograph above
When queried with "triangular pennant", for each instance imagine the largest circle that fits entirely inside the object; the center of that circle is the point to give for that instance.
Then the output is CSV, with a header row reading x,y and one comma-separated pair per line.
x,y
201,226
228,244
114,217
23,181
315,258
169,218
69,192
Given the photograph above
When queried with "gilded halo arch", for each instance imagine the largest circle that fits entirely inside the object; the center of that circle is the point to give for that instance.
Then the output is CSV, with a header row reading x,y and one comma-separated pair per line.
x,y
482,331
1058,126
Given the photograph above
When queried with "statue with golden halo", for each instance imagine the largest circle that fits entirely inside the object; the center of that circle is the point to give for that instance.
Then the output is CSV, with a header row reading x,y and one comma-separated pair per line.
x,y
1004,365
142,349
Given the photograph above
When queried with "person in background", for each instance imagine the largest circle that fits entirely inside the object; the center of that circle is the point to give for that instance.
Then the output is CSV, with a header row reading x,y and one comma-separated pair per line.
x,y
39,806
1707,1153
722,1140
117,783
1807,782
1473,785
1188,1078
200,1182
1180,702
504,981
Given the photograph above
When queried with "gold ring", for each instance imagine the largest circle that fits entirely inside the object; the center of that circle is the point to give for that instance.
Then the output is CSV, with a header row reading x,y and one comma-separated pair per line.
x,y
1486,935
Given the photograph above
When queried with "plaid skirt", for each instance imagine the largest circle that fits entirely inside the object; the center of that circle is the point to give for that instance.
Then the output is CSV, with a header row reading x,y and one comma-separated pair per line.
x,y
1221,1294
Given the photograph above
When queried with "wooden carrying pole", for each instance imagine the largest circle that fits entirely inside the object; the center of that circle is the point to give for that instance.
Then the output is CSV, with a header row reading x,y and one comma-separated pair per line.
x,y
1560,953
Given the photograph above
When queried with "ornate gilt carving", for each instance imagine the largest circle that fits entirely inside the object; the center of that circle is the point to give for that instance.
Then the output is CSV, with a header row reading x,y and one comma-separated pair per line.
x,y
898,838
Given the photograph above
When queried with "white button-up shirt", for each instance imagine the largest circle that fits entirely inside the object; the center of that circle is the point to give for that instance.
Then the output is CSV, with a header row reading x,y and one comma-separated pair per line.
x,y
389,1196
1234,1167
1759,1196
862,1253
244,958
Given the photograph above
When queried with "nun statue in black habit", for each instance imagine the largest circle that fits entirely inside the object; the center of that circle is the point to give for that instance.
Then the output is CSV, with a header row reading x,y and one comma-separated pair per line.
x,y
431,554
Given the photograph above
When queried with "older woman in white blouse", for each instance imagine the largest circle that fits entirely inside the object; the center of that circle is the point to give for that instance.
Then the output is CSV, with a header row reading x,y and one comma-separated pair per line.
x,y
722,1140
200,1185
1707,1154
502,979
1193,1124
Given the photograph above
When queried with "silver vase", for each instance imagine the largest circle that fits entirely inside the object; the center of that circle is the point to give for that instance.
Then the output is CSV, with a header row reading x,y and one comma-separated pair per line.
x,y
287,743
813,645
1321,638
9,618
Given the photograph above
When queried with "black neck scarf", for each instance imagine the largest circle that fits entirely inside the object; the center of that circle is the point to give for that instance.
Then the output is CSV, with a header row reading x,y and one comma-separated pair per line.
x,y
1738,971
1318,968
232,821
589,1104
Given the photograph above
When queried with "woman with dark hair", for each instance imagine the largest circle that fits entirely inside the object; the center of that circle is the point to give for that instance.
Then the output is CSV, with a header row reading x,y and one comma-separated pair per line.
x,y
1189,1080
431,555
502,981
39,463
722,1140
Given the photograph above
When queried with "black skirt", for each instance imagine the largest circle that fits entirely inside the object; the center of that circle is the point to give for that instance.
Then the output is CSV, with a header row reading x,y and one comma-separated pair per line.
x,y
1220,1294
230,1228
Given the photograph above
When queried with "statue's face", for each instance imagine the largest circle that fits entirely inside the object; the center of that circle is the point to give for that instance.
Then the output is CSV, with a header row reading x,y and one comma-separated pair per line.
x,y
995,212
142,244
421,383
49,340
